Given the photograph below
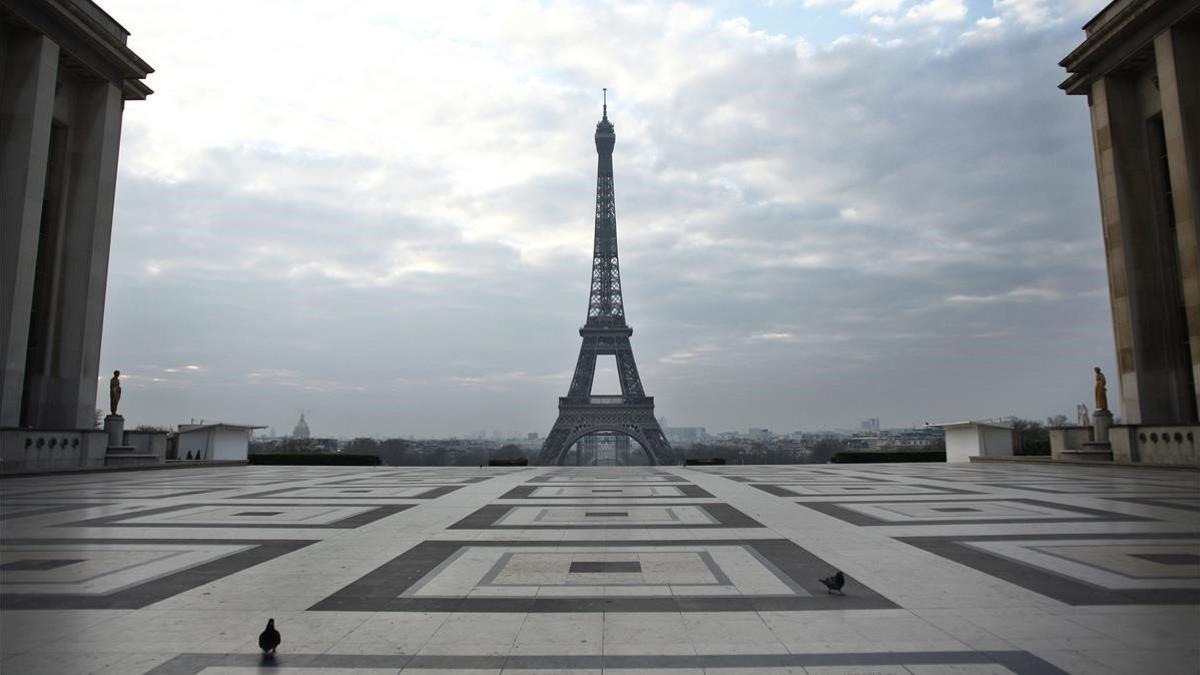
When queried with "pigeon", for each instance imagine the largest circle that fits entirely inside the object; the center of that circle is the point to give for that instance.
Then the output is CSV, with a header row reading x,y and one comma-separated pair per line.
x,y
269,639
835,583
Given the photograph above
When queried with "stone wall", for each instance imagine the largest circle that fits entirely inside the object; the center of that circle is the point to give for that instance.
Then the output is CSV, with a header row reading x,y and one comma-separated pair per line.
x,y
148,442
26,450
1068,438
1165,444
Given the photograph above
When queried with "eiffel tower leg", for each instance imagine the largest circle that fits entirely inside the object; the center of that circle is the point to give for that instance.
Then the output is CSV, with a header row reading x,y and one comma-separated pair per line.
x,y
553,451
585,369
658,445
631,382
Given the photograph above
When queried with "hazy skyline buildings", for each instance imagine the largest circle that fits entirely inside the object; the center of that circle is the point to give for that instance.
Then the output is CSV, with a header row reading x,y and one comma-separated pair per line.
x,y
824,211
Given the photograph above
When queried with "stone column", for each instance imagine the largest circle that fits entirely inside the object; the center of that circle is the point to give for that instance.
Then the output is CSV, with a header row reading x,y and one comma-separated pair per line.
x,y
1145,298
1177,53
1105,95
83,266
28,69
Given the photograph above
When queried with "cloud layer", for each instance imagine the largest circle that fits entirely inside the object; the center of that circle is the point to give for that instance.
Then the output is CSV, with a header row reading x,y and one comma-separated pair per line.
x,y
382,217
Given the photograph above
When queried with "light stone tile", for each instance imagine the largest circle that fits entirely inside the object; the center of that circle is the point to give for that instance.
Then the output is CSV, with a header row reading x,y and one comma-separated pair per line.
x,y
297,670
857,670
959,669
467,629
775,670
654,671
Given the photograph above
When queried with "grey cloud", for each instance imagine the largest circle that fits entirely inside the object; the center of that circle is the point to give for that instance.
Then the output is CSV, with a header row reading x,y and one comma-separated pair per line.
x,y
964,286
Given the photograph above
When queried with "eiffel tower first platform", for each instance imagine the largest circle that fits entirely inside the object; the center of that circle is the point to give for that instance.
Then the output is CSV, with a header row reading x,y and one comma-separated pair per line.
x,y
631,413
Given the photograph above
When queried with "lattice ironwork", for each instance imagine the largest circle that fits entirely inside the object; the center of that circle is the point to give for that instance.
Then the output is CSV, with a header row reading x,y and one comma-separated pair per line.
x,y
606,333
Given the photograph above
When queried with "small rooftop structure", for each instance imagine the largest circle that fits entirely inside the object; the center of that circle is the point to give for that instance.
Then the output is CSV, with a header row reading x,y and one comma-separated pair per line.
x,y
217,440
974,438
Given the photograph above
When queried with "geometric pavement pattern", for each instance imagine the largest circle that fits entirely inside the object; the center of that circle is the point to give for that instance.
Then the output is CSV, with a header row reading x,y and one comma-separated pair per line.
x,y
975,568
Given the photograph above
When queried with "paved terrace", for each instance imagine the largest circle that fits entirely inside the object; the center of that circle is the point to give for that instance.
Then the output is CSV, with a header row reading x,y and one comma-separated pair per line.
x,y
992,568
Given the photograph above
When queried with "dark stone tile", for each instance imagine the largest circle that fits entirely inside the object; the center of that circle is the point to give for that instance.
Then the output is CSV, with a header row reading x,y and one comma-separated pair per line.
x,y
380,590
1158,503
153,590
35,565
51,508
686,490
1164,558
783,491
287,493
1050,584
358,520
1022,663
837,510
605,567
487,517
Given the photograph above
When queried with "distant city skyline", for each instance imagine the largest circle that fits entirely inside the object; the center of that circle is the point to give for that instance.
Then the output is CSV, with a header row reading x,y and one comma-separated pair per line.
x,y
677,434
827,211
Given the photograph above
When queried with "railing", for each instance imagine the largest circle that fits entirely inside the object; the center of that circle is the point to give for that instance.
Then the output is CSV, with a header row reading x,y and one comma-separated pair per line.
x,y
616,399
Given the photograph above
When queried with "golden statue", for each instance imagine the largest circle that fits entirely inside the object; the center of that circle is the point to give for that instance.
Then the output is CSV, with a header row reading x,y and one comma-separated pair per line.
x,y
114,391
1101,391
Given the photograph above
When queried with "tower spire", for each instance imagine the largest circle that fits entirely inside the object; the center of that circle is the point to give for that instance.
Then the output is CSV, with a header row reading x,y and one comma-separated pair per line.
x,y
605,306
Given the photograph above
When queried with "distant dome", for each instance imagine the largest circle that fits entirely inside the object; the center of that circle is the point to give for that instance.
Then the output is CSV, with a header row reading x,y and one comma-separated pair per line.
x,y
301,430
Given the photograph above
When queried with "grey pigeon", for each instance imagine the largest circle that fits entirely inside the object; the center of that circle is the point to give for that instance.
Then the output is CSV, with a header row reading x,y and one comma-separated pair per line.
x,y
835,583
269,639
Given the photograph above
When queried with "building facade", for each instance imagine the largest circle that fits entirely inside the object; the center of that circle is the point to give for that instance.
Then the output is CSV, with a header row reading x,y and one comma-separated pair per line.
x,y
65,74
1139,68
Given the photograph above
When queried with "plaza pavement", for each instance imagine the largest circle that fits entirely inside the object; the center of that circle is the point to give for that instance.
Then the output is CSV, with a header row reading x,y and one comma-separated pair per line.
x,y
981,568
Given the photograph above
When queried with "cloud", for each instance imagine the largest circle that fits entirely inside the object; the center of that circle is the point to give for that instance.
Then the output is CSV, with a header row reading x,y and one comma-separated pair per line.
x,y
403,246
937,11
1015,295
1045,12
870,7
772,336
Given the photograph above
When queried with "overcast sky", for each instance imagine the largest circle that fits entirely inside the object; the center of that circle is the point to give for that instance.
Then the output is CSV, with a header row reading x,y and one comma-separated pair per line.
x,y
381,213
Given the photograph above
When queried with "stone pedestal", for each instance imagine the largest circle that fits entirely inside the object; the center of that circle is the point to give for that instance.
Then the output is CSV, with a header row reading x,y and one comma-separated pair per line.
x,y
1098,449
114,426
1101,421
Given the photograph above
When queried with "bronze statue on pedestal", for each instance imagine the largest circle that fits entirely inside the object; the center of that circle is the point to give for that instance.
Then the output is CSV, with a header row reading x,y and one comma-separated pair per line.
x,y
1101,391
114,391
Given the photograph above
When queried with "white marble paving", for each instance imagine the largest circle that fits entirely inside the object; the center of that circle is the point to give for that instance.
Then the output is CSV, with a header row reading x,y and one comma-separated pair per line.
x,y
940,606
632,516
95,569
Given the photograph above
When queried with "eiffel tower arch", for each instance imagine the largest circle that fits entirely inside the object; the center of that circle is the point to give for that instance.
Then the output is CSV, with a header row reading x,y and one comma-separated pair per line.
x,y
605,333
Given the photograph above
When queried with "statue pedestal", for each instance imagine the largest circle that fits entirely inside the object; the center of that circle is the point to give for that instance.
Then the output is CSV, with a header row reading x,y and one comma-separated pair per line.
x,y
1098,449
1101,421
114,426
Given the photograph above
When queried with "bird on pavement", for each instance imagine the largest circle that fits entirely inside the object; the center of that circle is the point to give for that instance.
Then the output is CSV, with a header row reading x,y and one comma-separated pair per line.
x,y
835,583
269,639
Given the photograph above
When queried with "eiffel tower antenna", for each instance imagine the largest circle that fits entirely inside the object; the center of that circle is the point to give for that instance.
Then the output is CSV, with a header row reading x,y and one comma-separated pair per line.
x,y
605,333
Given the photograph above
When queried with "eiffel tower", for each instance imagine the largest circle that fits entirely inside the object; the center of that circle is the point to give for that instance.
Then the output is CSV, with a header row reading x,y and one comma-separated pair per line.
x,y
631,413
